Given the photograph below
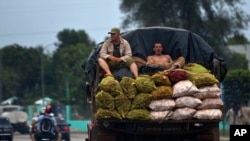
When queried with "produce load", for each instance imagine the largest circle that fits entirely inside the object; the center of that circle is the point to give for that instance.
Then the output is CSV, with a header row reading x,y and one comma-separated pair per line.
x,y
122,104
155,97
128,86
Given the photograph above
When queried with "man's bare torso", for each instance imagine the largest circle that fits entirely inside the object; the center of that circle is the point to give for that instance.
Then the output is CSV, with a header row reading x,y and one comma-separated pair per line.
x,y
160,60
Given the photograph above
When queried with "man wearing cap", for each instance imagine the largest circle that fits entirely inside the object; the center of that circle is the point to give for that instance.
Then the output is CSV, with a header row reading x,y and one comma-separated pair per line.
x,y
116,53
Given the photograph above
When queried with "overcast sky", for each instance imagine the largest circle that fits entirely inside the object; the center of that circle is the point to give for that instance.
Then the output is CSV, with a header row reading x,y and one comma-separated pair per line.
x,y
36,22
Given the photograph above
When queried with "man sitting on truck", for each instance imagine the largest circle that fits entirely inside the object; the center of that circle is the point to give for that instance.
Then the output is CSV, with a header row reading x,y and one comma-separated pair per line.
x,y
164,61
160,62
116,53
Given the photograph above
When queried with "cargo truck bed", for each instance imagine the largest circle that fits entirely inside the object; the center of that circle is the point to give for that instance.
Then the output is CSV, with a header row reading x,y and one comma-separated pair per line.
x,y
127,130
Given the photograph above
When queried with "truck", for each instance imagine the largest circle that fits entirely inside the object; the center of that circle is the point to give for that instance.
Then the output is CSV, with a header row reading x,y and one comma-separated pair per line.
x,y
177,42
16,116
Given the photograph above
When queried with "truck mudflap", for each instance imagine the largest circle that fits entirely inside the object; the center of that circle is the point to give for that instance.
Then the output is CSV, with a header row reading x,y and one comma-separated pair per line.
x,y
184,130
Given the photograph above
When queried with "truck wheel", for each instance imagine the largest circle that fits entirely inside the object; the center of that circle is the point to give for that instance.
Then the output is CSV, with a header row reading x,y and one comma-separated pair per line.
x,y
67,139
10,139
23,131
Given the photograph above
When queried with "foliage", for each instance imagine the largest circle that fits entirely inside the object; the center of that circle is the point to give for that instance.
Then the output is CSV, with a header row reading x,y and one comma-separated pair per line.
x,y
67,67
238,61
20,73
203,17
238,39
21,70
69,37
67,62
236,88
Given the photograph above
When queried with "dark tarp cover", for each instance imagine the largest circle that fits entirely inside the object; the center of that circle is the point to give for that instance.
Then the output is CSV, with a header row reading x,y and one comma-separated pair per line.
x,y
176,42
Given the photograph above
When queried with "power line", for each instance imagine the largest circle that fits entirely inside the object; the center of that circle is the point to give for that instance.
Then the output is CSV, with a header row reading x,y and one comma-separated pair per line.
x,y
27,33
48,32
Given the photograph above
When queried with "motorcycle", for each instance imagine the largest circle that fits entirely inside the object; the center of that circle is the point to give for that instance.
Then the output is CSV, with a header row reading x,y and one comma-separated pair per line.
x,y
45,137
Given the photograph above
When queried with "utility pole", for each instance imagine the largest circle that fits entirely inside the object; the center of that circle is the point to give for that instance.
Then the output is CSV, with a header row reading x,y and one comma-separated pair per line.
x,y
1,77
42,75
42,72
67,88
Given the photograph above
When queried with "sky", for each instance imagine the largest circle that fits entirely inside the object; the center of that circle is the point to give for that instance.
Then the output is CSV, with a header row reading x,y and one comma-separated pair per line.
x,y
36,22
32,23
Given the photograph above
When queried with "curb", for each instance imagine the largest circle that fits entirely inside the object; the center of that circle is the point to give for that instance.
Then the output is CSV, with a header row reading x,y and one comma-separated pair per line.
x,y
224,138
76,131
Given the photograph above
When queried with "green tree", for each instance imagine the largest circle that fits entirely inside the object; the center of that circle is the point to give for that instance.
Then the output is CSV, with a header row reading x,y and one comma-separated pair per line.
x,y
236,88
67,69
238,39
69,37
21,70
238,61
213,20
74,48
45,63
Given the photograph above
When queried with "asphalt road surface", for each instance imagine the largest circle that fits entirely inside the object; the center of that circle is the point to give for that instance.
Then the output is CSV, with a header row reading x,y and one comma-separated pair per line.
x,y
74,137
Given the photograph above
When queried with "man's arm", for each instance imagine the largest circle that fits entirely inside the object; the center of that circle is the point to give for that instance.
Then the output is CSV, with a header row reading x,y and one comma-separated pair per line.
x,y
178,63
35,121
104,50
58,134
127,50
56,129
114,59
33,124
150,60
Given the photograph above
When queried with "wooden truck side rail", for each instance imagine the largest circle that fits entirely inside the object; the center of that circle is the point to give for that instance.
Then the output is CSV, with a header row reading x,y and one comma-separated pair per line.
x,y
128,130
154,127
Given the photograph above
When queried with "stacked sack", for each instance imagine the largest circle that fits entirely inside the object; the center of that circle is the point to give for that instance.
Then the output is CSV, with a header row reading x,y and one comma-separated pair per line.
x,y
209,92
191,92
162,104
127,99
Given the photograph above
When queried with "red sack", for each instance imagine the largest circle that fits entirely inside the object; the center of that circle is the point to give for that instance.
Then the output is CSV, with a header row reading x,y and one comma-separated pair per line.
x,y
177,75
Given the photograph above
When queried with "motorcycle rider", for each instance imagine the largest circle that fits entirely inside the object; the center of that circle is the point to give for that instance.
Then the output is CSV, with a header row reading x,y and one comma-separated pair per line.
x,y
53,133
35,118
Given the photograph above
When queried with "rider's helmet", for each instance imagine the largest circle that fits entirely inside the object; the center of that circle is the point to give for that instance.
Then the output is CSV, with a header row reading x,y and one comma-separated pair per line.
x,y
48,109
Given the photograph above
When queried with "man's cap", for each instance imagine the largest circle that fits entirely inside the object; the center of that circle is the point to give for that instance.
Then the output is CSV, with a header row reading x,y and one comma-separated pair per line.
x,y
114,30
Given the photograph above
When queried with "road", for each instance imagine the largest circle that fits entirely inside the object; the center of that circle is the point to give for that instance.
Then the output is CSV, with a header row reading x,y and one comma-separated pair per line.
x,y
74,137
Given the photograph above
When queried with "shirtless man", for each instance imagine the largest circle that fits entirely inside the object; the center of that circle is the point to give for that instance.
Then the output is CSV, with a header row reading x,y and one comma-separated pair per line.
x,y
164,61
